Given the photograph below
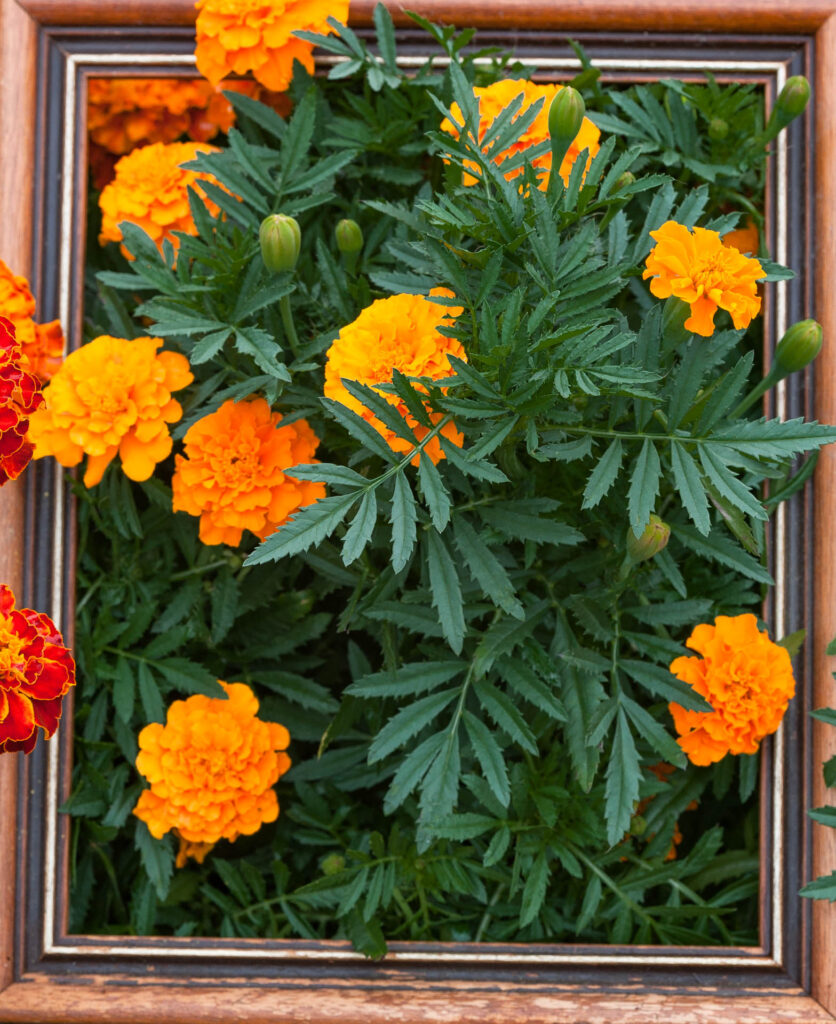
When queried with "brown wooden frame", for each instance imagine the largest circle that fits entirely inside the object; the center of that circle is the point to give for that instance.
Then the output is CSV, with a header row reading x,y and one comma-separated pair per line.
x,y
123,990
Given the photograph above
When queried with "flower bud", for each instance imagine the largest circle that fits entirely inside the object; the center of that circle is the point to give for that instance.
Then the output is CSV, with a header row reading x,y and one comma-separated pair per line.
x,y
799,346
281,241
349,236
333,864
638,825
718,129
793,98
623,180
654,537
565,120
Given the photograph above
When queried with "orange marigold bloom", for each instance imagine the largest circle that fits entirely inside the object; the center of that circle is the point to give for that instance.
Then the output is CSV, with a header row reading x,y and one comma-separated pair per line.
x,y
42,345
493,99
20,396
396,333
237,36
151,189
233,473
697,268
36,671
745,239
112,395
212,768
745,677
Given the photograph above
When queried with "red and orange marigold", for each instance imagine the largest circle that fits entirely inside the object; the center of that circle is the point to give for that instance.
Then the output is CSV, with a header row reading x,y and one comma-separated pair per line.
x,y
396,333
747,679
36,671
233,473
211,769
20,396
237,36
697,268
112,396
42,345
150,189
493,99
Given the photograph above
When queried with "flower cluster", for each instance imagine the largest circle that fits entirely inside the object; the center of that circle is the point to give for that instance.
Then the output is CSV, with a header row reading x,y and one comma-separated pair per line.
x,y
112,396
42,345
396,333
237,36
211,769
233,473
36,671
745,677
20,396
151,189
493,99
697,268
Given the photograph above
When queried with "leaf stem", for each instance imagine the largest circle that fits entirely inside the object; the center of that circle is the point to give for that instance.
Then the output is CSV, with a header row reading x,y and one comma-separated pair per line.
x,y
289,326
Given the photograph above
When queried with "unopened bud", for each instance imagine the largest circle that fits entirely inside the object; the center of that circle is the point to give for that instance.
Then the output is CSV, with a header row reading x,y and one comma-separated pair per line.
x,y
638,825
718,128
793,98
349,236
653,538
333,864
281,241
565,120
623,180
799,346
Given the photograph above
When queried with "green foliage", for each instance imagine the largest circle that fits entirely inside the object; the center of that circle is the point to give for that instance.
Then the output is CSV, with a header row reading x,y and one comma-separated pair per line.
x,y
824,888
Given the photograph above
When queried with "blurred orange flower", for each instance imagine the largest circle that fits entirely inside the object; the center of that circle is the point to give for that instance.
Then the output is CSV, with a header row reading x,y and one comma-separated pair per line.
x,y
36,671
233,473
20,396
745,239
42,345
697,268
151,189
112,396
745,677
211,769
493,99
396,333
237,36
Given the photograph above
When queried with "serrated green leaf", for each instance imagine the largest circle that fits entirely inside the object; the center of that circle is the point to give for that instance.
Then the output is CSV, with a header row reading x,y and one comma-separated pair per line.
x,y
359,533
502,710
490,757
689,484
644,487
603,475
157,859
435,493
446,590
409,721
723,550
485,568
664,684
407,680
403,520
534,892
622,789
309,526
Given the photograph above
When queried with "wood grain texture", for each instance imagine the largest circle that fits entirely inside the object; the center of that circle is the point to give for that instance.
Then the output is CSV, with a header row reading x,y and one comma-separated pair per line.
x,y
773,16
17,119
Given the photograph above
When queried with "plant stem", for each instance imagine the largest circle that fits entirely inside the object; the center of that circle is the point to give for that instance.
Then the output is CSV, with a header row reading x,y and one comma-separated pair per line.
x,y
289,326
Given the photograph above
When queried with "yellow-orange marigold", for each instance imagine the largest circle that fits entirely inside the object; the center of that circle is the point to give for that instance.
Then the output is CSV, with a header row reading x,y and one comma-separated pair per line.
x,y
42,345
396,333
745,677
697,268
237,36
211,769
493,99
151,189
233,473
111,396
745,239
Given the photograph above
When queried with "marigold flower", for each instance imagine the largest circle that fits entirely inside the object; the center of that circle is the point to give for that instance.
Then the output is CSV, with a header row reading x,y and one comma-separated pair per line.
x,y
493,99
233,473
706,274
151,189
396,333
42,345
745,677
112,395
211,769
745,239
36,671
237,36
20,396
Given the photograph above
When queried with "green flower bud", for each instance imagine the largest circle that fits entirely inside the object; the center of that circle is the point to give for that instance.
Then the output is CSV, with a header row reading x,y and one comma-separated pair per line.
x,y
565,120
793,98
799,346
718,129
349,236
623,180
638,826
655,536
281,241
333,864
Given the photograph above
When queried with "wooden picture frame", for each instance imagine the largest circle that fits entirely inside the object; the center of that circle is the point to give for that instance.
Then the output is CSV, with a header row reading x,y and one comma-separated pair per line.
x,y
47,47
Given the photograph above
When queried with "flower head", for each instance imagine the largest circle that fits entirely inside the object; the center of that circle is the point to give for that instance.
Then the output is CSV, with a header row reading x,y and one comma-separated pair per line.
x,y
233,473
396,333
237,36
745,677
493,99
697,268
211,769
112,396
42,345
36,671
20,396
151,189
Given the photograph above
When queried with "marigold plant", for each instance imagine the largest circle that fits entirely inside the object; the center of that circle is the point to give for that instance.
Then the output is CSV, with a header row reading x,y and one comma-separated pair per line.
x,y
493,99
42,345
237,36
747,679
20,396
211,770
36,671
697,268
112,396
396,333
